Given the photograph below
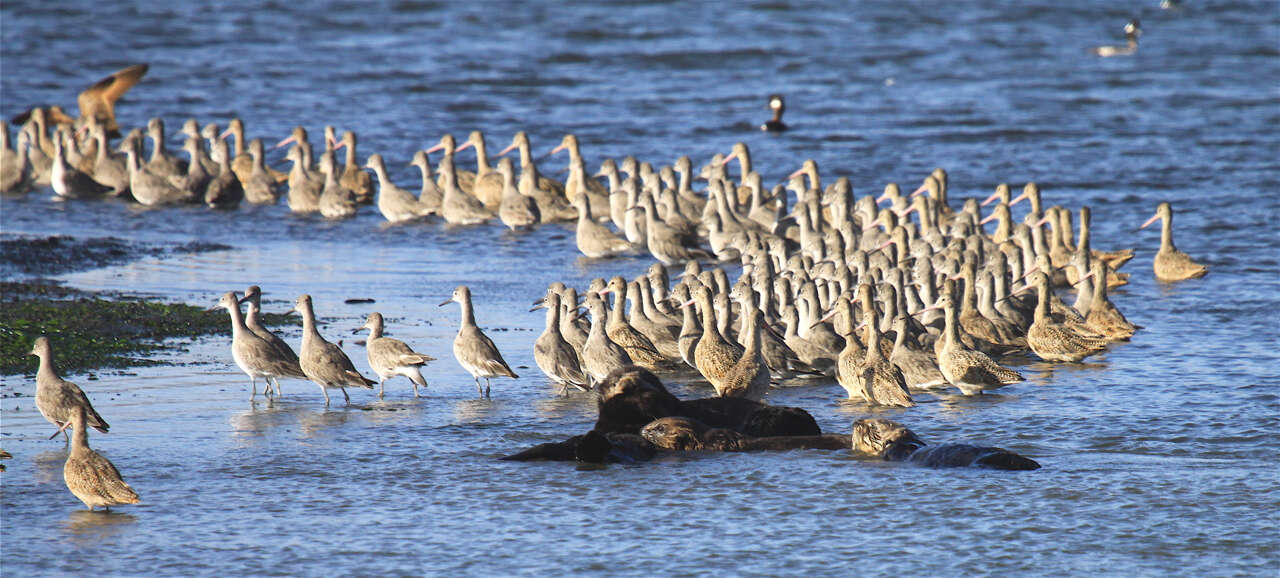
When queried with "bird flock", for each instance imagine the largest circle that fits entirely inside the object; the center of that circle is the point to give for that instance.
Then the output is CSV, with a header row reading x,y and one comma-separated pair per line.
x,y
890,295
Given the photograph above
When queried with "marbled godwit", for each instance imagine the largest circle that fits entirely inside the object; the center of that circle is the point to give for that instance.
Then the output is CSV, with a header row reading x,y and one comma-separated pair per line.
x,y
474,351
352,177
430,194
882,383
224,190
260,184
639,348
466,180
92,478
749,377
488,183
324,363
98,102
713,356
336,201
304,186
391,357
456,206
1051,341
1103,316
554,356
243,160
969,370
161,162
1170,263
15,175
59,399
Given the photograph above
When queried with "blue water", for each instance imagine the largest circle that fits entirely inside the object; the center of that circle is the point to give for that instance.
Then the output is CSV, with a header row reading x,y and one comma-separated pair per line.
x,y
1160,455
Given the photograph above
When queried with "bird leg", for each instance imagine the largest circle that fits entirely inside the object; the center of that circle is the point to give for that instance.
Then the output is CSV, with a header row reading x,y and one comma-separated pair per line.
x,y
326,395
382,383
254,384
345,396
486,388
479,390
61,430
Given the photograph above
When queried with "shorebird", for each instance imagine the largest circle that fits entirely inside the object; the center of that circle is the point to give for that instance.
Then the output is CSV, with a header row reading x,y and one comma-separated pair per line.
x,y
882,382
98,102
595,240
92,478
391,357
255,356
59,399
749,377
324,363
69,182
474,351
430,194
396,204
1170,263
969,370
713,355
918,367
253,297
515,210
352,178
600,355
554,356
1054,342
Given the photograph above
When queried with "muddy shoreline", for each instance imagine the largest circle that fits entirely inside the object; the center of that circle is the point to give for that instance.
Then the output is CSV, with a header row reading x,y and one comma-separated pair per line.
x,y
90,329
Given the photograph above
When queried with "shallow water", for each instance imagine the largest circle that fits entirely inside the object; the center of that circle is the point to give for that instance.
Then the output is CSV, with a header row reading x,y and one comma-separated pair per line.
x,y
1160,455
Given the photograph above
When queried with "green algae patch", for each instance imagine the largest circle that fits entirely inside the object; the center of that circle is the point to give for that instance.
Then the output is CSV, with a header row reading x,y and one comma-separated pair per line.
x,y
96,330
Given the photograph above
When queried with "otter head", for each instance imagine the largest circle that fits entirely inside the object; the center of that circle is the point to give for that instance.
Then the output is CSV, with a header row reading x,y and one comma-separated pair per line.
x,y
675,433
878,436
628,379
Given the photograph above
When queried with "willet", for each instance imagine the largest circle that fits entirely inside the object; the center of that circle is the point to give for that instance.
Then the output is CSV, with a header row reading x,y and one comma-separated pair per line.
x,y
324,363
474,351
391,357
253,296
59,399
253,355
554,356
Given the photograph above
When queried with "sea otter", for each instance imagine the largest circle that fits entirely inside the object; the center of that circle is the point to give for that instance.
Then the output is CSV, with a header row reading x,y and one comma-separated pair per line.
x,y
894,442
687,434
631,397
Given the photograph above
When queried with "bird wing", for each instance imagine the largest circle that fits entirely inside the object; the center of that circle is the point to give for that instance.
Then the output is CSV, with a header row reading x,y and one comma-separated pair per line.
x,y
100,99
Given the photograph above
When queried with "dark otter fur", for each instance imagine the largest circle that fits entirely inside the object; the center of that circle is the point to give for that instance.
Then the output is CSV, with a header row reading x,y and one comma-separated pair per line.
x,y
894,442
687,434
632,397
592,447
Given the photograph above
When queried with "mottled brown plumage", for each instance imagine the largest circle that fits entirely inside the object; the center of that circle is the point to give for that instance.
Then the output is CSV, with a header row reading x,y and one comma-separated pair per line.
x,y
91,477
